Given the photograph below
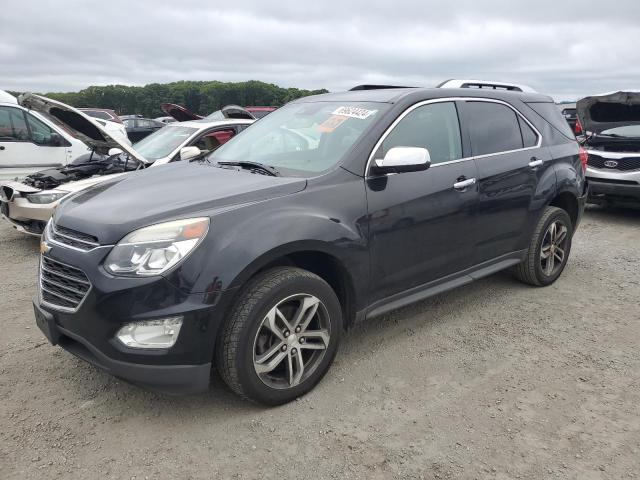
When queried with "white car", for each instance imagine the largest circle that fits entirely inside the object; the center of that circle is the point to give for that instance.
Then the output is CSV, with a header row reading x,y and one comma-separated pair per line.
x,y
28,205
31,141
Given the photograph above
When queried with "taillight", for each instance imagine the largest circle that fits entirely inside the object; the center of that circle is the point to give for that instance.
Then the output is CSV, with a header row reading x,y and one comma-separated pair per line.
x,y
584,156
577,129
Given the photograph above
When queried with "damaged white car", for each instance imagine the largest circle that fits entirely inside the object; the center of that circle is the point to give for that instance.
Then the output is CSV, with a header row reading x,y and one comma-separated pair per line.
x,y
611,126
29,204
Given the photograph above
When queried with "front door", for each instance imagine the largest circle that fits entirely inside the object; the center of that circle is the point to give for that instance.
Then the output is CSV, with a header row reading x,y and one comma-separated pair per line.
x,y
27,144
421,224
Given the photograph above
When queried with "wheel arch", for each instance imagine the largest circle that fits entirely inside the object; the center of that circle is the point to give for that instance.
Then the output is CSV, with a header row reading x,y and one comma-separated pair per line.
x,y
567,201
315,257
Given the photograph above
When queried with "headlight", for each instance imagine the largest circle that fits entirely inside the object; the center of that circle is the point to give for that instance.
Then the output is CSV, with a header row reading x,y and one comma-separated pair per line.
x,y
155,249
48,196
160,333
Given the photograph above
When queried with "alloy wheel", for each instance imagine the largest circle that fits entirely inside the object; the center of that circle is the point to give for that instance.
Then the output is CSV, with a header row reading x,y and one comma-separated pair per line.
x,y
291,341
554,246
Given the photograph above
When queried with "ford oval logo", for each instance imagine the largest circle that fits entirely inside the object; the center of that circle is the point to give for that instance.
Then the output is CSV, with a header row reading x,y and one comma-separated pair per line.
x,y
611,164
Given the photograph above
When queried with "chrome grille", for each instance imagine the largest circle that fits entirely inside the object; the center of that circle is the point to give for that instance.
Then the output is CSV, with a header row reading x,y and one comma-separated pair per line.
x,y
624,164
61,285
72,238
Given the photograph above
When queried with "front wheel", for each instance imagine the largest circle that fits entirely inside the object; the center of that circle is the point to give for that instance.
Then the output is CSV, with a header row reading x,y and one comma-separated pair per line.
x,y
281,337
548,249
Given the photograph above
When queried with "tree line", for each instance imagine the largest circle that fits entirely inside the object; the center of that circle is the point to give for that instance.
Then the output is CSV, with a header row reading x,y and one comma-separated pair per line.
x,y
198,96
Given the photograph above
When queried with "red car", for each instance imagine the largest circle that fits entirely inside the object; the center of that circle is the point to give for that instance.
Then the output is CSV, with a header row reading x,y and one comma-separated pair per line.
x,y
260,112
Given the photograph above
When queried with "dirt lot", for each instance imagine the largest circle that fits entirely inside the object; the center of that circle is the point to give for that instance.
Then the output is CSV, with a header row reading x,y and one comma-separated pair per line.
x,y
494,380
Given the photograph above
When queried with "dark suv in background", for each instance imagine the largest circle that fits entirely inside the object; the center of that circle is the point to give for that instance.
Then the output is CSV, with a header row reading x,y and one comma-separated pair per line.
x,y
332,209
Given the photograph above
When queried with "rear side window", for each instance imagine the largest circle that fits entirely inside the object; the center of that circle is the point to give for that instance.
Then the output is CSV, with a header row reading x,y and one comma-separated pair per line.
x,y
493,128
551,114
529,137
434,127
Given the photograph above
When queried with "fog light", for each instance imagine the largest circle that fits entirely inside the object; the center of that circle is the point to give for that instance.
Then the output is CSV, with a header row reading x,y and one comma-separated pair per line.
x,y
159,333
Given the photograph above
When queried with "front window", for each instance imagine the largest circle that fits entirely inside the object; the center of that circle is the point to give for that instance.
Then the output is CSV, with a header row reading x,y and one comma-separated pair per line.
x,y
40,133
302,138
161,143
627,131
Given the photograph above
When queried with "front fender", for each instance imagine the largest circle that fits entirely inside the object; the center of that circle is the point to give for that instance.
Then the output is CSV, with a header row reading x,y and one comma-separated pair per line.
x,y
329,218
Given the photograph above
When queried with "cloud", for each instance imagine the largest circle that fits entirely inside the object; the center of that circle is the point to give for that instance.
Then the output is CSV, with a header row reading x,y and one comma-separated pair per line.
x,y
566,49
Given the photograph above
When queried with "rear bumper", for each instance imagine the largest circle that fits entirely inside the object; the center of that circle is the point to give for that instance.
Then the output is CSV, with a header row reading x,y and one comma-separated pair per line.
x,y
599,187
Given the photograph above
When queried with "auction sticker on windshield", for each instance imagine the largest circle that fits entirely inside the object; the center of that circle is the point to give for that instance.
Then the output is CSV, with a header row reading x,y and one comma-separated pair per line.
x,y
353,112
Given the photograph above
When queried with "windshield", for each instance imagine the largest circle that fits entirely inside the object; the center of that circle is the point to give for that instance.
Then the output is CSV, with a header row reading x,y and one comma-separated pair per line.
x,y
164,141
302,138
97,114
631,131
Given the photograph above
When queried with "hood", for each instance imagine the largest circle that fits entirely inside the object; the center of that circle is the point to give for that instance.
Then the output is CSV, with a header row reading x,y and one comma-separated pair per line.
x,y
180,113
80,125
177,190
183,114
602,112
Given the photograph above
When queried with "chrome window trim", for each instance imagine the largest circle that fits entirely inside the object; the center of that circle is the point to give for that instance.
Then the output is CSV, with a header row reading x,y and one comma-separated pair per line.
x,y
455,99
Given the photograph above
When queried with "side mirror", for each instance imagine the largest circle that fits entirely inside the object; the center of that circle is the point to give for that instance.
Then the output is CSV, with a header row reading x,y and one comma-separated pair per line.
x,y
188,153
55,140
404,159
114,151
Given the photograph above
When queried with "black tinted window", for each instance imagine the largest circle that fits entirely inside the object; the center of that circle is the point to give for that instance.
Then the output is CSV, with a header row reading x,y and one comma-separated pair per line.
x,y
493,128
434,127
529,137
550,113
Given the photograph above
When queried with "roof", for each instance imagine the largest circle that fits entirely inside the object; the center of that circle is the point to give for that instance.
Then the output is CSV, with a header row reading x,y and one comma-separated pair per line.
x,y
394,95
6,97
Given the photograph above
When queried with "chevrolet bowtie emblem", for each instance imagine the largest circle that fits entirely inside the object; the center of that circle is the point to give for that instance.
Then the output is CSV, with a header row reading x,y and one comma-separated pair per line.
x,y
44,247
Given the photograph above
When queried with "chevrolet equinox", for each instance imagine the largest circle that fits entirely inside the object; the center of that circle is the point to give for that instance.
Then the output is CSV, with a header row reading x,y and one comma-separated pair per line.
x,y
334,208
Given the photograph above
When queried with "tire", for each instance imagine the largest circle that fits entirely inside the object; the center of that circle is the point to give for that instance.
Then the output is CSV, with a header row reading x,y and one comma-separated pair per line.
x,y
255,336
534,270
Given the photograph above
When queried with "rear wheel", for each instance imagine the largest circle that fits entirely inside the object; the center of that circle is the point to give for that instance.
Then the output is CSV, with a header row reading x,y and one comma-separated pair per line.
x,y
281,337
548,249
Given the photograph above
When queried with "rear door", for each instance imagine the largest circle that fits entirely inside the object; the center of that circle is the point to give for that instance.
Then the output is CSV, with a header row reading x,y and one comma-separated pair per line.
x,y
420,225
27,144
510,163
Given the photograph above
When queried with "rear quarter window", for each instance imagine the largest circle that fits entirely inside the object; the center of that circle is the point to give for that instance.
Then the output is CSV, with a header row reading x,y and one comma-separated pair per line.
x,y
552,115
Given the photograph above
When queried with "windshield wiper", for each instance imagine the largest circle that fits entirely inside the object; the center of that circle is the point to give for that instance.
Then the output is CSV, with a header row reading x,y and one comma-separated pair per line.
x,y
268,169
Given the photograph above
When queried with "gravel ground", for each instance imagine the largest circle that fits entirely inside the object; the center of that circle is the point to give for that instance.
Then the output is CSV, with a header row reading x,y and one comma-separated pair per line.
x,y
493,380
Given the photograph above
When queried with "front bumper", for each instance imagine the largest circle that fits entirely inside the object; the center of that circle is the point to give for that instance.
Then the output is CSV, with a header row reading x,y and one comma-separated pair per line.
x,y
89,332
25,216
171,379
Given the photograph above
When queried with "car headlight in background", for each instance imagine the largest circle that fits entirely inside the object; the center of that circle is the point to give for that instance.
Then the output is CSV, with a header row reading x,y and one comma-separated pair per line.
x,y
159,333
47,196
155,249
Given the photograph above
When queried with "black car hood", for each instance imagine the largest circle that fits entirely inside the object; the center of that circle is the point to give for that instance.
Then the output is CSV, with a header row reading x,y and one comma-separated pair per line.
x,y
114,208
602,112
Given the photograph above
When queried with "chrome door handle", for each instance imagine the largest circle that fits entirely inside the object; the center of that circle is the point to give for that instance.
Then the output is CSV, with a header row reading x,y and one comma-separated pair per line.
x,y
464,184
534,163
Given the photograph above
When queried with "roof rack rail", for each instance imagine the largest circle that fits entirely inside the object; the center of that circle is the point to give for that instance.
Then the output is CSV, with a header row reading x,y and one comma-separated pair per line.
x,y
486,84
375,87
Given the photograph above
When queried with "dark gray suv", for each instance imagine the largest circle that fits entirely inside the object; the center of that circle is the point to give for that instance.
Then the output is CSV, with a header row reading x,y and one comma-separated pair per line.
x,y
332,209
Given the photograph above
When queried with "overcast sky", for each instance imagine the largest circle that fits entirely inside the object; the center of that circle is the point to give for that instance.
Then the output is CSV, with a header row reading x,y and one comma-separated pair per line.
x,y
563,48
